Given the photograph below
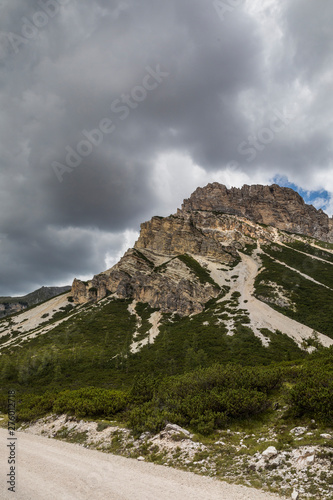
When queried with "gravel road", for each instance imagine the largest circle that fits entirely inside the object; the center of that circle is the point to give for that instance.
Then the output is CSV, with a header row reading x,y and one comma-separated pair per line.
x,y
53,470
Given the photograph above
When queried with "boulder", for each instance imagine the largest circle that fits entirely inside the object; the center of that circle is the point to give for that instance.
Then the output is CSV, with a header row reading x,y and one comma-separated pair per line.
x,y
270,452
298,431
177,428
326,436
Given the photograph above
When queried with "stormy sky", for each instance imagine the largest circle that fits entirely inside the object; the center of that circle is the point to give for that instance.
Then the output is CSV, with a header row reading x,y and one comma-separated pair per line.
x,y
114,111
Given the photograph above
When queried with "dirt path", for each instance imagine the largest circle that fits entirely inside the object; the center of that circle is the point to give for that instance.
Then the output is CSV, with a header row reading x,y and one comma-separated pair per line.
x,y
53,470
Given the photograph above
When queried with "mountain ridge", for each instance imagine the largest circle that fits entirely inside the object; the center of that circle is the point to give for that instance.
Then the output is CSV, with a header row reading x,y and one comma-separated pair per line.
x,y
12,305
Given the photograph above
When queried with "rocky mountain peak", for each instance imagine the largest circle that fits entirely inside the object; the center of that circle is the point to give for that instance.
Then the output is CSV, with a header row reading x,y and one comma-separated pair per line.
x,y
275,206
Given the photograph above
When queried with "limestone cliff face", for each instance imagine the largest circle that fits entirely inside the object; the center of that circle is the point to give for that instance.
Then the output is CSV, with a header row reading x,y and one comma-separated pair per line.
x,y
213,224
275,206
154,272
184,233
171,287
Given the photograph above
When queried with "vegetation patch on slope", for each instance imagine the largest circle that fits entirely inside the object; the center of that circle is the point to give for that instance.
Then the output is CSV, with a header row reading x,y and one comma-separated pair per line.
x,y
93,348
306,248
312,304
204,400
197,269
316,269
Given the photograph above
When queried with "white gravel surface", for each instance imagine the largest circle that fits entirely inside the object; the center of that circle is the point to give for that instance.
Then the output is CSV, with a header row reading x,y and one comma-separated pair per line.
x,y
53,470
29,323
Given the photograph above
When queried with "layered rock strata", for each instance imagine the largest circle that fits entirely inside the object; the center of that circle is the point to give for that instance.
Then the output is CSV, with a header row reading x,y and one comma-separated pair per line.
x,y
275,206
170,287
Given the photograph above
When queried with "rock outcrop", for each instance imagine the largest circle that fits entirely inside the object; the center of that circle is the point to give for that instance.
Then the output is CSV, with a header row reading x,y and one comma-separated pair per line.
x,y
213,224
198,234
275,206
8,308
170,287
154,271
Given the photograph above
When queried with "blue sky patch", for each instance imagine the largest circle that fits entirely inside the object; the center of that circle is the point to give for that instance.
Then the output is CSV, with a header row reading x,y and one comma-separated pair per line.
x,y
319,199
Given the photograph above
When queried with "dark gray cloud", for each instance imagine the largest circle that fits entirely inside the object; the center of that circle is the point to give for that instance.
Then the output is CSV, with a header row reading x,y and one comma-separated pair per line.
x,y
244,97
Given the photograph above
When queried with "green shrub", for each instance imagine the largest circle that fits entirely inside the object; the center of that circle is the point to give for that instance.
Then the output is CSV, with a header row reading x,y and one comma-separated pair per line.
x,y
143,388
207,422
204,399
197,269
146,417
90,401
312,396
32,406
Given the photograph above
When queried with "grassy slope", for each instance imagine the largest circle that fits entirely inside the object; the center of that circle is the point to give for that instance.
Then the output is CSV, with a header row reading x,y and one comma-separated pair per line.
x,y
316,269
93,348
314,303
306,248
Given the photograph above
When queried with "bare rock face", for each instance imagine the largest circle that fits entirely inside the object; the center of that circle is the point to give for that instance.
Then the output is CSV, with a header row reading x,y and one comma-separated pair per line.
x,y
275,206
184,233
213,224
172,287
154,271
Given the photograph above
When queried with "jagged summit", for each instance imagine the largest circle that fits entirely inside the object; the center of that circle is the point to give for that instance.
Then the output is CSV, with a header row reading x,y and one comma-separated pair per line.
x,y
273,205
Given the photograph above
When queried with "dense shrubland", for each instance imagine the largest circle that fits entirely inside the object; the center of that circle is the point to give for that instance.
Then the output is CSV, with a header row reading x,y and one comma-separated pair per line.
x,y
202,400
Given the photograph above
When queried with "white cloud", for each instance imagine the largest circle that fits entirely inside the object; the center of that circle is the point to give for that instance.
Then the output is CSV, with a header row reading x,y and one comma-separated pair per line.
x,y
128,239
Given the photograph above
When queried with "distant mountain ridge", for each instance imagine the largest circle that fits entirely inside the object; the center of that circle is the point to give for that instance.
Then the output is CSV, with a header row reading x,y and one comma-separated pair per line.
x,y
11,305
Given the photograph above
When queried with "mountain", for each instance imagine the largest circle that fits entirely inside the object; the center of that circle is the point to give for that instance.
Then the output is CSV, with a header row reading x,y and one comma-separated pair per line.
x,y
215,268
219,320
11,305
251,258
175,265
